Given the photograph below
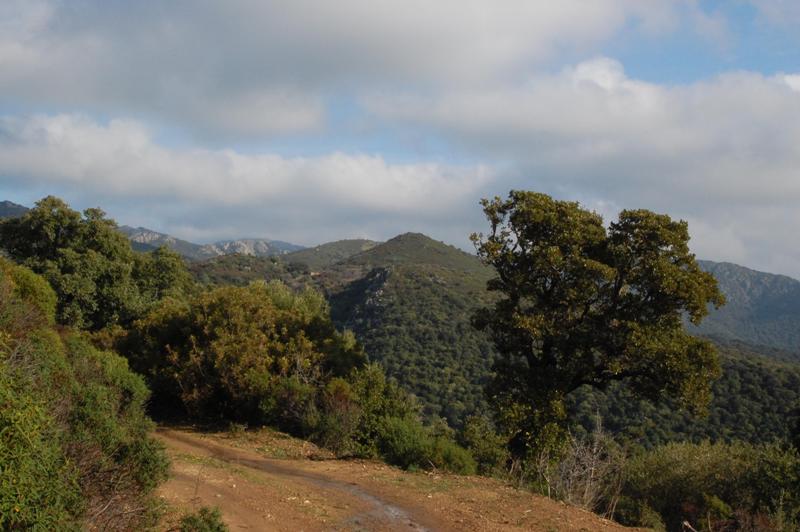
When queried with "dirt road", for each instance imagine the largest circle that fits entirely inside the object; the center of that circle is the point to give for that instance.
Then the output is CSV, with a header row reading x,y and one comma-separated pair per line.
x,y
256,492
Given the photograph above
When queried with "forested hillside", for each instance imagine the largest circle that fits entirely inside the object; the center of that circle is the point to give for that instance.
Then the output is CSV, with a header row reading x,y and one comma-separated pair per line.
x,y
755,400
240,270
410,302
761,309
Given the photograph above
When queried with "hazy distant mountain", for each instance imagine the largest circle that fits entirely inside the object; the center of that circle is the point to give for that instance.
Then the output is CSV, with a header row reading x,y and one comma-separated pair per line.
x,y
249,246
145,239
762,308
9,209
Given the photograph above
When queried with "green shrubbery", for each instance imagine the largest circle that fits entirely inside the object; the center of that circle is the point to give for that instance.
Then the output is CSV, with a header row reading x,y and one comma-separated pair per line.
x,y
488,448
74,444
264,354
203,520
719,486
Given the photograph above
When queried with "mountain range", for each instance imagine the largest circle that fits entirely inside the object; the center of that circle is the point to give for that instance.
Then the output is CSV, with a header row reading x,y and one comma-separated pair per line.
x,y
144,239
762,309
410,300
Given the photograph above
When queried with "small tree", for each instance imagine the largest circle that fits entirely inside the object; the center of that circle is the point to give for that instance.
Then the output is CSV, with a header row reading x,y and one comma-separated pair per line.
x,y
584,305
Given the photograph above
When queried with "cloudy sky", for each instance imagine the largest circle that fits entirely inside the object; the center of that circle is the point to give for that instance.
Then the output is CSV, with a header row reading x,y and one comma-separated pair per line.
x,y
310,121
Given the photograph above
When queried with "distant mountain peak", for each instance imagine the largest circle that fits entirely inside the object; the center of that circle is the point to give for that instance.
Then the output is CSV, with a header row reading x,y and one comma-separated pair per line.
x,y
257,247
145,239
9,209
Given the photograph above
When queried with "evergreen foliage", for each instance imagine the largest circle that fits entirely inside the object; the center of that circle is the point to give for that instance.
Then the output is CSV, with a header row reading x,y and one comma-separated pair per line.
x,y
230,352
582,305
98,279
74,443
752,401
414,320
240,270
714,487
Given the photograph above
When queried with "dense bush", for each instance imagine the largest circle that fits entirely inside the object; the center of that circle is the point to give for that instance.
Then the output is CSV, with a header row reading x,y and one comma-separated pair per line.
x,y
38,485
265,354
252,354
204,520
74,444
721,486
487,447
409,444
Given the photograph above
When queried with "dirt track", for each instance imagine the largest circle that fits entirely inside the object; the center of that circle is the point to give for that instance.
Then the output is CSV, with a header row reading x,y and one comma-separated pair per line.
x,y
259,493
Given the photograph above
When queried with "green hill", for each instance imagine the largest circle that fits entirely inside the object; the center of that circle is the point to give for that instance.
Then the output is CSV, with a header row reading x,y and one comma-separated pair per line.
x,y
325,255
410,301
416,248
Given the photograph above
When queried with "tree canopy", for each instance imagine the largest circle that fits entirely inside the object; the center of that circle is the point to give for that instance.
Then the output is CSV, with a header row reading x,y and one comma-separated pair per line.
x,y
98,278
224,351
584,305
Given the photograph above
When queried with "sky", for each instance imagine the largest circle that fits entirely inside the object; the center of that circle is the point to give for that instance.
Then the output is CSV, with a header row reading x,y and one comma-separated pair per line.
x,y
311,121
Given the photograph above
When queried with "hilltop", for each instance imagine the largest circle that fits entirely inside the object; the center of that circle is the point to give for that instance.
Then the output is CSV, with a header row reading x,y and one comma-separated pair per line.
x,y
9,209
325,255
410,302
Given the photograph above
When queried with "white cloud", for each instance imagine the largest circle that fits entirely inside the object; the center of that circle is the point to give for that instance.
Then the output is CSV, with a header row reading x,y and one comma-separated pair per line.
x,y
701,151
793,81
260,68
120,161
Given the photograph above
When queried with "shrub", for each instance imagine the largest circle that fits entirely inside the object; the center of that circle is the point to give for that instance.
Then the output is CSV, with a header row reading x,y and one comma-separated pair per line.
x,y
448,455
733,485
405,442
249,354
204,520
38,485
339,418
74,445
487,447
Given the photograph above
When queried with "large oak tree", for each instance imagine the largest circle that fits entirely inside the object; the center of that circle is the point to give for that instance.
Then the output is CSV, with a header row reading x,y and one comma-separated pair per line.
x,y
581,304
